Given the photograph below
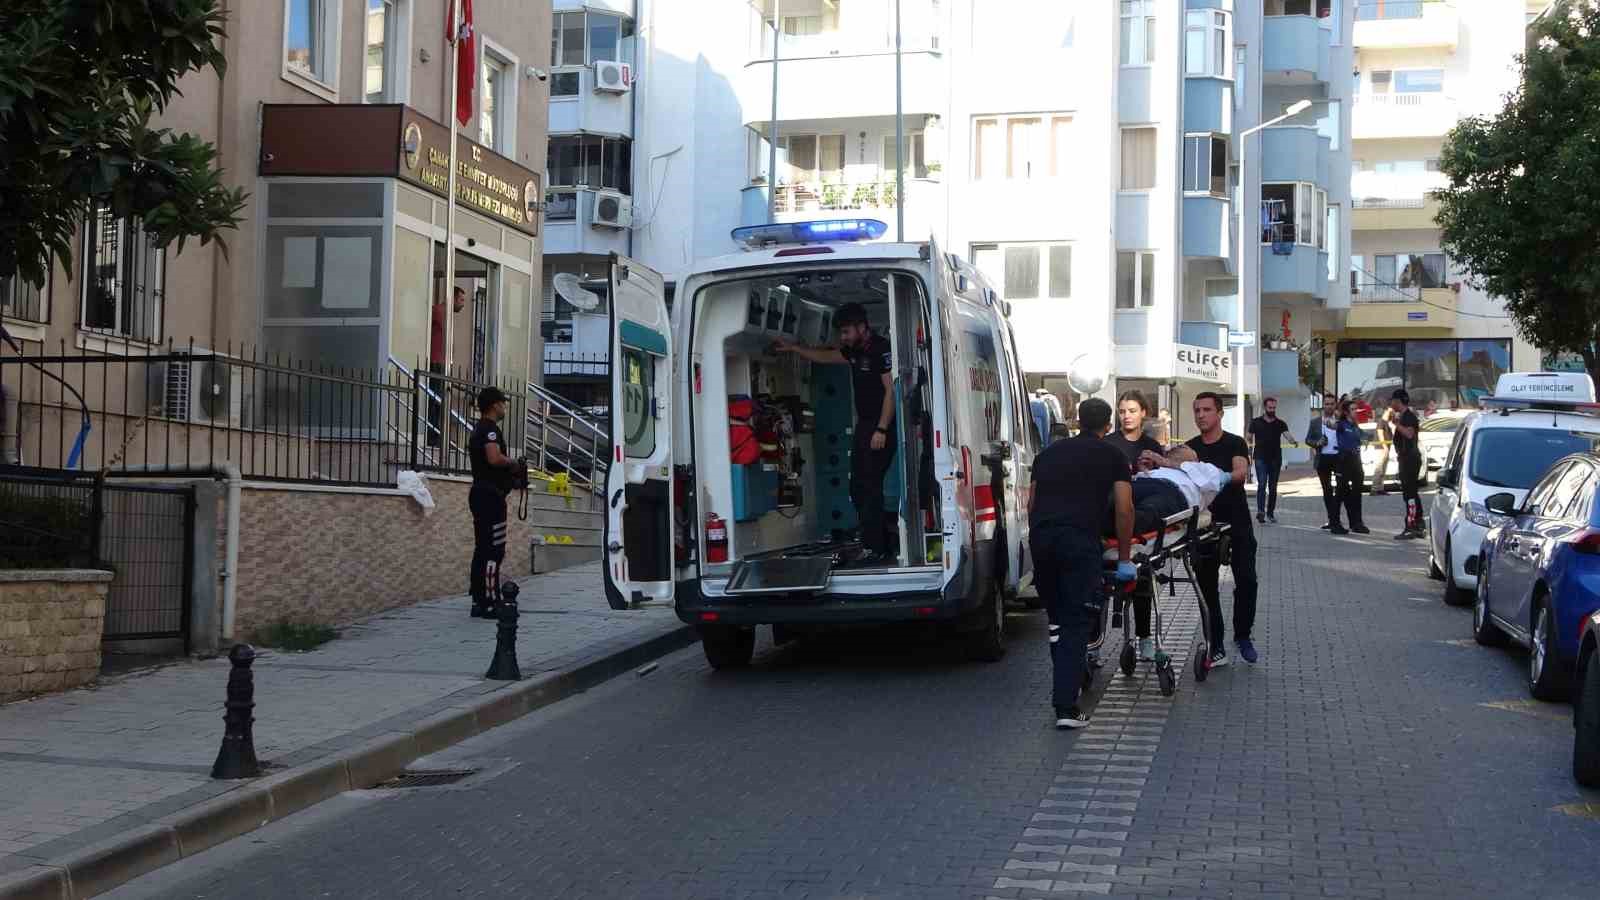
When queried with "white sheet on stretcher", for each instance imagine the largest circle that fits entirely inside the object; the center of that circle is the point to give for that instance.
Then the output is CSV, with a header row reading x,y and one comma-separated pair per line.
x,y
1145,543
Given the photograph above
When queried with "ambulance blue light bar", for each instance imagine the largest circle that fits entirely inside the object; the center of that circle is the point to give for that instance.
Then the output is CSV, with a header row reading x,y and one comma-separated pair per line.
x,y
810,232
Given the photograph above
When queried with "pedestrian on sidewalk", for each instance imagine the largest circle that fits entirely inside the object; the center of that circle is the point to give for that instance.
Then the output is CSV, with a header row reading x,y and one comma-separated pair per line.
x,y
1132,439
1347,468
1407,448
1229,453
1323,437
438,389
1072,482
1265,437
1384,435
493,473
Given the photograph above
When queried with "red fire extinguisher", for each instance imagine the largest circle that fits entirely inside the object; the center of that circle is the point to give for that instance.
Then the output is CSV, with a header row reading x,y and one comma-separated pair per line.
x,y
716,539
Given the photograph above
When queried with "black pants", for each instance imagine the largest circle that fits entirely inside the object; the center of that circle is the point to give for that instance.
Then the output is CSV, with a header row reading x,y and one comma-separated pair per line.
x,y
1350,483
1066,570
1267,471
435,407
488,507
1410,481
867,470
1153,501
1208,568
1327,465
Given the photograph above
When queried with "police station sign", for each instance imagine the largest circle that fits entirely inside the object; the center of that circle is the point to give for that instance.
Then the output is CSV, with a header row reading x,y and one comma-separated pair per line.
x,y
1202,363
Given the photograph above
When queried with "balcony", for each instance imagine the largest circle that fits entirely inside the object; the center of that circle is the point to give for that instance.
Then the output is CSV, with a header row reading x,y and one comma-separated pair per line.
x,y
570,226
591,111
865,199
1210,335
1290,269
1374,304
1407,24
1207,226
1377,116
1295,49
843,87
1207,105
1294,153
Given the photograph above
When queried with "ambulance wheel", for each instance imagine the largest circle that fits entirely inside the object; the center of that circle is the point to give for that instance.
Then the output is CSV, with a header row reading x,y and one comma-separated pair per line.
x,y
988,643
1202,662
727,646
1167,680
1128,660
783,634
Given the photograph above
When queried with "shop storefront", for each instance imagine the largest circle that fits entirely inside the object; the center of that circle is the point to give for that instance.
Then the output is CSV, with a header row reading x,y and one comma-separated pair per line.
x,y
1438,374
354,242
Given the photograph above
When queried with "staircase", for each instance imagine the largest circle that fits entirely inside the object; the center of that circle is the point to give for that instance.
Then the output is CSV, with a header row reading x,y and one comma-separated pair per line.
x,y
565,442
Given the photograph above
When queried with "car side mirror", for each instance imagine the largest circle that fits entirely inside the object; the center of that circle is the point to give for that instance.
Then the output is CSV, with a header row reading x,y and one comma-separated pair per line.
x,y
1502,503
1447,478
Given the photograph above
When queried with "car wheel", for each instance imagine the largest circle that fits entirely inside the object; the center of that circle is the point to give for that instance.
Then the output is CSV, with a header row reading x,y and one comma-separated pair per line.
x,y
727,646
1484,631
1434,572
1453,595
1546,678
988,643
1586,743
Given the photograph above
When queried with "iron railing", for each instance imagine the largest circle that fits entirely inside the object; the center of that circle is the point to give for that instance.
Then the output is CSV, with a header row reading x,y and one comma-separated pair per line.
x,y
835,196
565,440
1369,10
565,364
1366,287
23,301
49,518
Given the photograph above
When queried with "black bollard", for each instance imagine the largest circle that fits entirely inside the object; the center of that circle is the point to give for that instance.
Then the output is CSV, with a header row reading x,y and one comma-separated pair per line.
x,y
504,666
237,758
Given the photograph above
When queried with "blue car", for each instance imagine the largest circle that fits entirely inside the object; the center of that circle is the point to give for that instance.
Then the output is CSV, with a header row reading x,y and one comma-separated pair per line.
x,y
1540,572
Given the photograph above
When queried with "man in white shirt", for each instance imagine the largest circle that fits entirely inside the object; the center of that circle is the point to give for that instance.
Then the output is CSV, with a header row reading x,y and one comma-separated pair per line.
x,y
1170,483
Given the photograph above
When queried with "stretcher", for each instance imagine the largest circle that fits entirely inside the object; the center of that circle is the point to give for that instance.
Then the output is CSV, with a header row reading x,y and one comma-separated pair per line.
x,y
1158,556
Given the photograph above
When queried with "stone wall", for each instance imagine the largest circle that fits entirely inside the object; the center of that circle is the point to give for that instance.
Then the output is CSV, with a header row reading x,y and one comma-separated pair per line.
x,y
51,621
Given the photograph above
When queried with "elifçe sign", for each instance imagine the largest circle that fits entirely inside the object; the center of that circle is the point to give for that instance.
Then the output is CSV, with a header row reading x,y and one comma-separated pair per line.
x,y
1203,363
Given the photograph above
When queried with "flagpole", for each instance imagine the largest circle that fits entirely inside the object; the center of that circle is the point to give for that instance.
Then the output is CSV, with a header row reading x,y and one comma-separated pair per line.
x,y
450,200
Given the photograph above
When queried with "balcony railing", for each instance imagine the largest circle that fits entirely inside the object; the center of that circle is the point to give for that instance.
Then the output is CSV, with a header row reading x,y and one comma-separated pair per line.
x,y
1371,290
834,197
1418,98
1385,203
1370,10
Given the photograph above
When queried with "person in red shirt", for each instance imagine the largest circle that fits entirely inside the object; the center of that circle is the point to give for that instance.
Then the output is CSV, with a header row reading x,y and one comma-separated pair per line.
x,y
436,361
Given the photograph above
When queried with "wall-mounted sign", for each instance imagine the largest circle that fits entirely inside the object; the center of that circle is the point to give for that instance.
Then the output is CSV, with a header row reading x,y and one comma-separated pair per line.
x,y
1241,338
1420,316
1202,363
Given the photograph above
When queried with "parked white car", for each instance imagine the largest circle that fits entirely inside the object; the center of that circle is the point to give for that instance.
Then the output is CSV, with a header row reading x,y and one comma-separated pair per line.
x,y
1371,452
1435,435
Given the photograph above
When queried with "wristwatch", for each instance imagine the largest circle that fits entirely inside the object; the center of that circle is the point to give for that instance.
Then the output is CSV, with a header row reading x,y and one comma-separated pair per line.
x,y
882,431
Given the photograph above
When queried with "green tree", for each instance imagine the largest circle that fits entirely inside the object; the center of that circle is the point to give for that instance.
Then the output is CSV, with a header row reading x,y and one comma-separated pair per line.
x,y
1522,212
79,83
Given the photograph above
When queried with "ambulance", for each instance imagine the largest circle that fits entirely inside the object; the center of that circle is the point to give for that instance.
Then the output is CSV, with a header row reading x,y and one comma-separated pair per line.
x,y
728,487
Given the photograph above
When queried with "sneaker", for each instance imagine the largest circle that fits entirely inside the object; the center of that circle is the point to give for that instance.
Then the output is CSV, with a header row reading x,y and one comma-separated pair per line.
x,y
1247,650
1406,536
484,612
1261,517
1272,518
1326,526
1360,529
1337,529
1147,648
1219,659
1071,718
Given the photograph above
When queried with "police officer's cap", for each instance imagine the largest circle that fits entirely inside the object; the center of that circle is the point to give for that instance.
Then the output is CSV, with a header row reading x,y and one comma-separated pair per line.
x,y
489,396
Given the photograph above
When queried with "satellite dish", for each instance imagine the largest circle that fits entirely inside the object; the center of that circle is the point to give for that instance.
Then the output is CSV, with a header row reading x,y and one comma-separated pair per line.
x,y
1087,375
569,287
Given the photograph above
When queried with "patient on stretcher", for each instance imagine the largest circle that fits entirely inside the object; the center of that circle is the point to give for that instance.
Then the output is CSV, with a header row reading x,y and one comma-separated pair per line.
x,y
1170,483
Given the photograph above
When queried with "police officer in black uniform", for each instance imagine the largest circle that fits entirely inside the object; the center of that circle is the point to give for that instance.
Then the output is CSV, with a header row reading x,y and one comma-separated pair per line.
x,y
493,474
873,443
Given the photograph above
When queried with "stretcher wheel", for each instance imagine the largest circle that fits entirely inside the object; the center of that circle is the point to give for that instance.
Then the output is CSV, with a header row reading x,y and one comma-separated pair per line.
x,y
1168,681
1202,662
1128,660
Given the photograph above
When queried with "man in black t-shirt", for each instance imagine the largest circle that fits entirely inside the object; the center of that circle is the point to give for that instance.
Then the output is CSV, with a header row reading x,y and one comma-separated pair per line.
x,y
493,473
872,445
1409,453
1229,453
1072,480
1266,439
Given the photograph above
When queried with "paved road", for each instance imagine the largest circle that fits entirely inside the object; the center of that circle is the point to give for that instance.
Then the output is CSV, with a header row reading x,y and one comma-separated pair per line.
x,y
1375,752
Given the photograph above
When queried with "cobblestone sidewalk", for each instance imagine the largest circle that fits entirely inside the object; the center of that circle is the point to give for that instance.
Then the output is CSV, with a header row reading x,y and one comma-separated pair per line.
x,y
84,766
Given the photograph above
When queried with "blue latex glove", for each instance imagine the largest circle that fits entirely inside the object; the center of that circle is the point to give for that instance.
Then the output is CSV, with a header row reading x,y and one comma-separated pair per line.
x,y
1223,480
1126,572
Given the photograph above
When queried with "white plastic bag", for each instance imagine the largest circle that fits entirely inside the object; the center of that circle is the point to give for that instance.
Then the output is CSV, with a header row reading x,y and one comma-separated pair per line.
x,y
414,484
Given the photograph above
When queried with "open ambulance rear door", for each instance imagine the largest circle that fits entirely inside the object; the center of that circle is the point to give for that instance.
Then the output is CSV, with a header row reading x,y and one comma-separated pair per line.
x,y
638,535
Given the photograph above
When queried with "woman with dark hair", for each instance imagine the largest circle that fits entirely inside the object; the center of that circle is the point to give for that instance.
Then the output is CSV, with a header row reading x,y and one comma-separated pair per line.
x,y
1130,439
1348,467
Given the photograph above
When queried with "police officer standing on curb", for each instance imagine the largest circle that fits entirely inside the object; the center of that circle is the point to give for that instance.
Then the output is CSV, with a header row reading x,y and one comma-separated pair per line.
x,y
1073,480
493,474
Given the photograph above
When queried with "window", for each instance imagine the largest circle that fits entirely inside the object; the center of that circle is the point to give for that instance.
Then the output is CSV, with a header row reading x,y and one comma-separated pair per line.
x,y
814,158
567,45
1305,213
1019,148
495,108
638,403
564,85
591,161
1205,43
1419,81
1239,67
1389,9
1205,164
1138,32
1411,270
1136,279
915,164
1138,159
24,302
1024,270
311,39
583,38
1382,81
1321,219
1290,213
1333,241
383,64
124,279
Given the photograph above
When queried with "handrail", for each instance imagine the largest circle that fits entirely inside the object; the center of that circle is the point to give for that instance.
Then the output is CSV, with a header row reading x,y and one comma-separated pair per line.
x,y
559,437
559,402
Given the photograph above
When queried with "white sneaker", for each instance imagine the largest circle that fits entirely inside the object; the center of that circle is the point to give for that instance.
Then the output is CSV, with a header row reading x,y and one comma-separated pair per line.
x,y
1147,648
1219,659
1071,718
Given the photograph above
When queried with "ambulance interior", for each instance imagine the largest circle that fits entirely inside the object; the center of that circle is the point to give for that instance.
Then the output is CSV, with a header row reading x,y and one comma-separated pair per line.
x,y
773,430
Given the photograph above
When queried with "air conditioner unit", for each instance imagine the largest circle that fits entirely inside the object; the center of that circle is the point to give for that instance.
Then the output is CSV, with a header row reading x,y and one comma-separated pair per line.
x,y
202,389
612,77
612,210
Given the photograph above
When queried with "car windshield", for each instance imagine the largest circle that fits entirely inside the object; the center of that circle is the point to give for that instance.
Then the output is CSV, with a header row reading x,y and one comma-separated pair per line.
x,y
1516,457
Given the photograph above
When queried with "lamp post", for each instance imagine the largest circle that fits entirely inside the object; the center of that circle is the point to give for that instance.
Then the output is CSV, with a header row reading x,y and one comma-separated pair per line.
x,y
1294,109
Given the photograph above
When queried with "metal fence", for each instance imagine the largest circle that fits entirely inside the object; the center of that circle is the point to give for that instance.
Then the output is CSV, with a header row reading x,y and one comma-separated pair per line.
x,y
571,364
434,419
147,540
49,519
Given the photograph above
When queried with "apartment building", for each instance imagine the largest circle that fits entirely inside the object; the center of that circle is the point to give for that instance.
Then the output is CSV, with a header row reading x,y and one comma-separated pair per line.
x,y
1414,320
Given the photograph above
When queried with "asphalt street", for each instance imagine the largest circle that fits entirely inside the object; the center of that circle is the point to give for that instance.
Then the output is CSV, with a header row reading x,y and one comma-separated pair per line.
x,y
1374,752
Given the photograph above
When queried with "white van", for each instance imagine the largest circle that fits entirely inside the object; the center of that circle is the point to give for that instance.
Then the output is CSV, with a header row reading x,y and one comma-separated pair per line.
x,y
736,545
1533,419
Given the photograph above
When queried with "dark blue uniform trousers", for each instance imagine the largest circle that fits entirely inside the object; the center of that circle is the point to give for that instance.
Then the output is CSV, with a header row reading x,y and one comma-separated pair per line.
x,y
1067,571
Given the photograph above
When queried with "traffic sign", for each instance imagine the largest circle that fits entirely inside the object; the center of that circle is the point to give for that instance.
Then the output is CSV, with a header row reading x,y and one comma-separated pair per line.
x,y
1241,338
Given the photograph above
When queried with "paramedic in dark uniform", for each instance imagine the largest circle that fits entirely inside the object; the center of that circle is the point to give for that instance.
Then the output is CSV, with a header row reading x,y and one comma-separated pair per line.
x,y
1073,480
493,473
872,445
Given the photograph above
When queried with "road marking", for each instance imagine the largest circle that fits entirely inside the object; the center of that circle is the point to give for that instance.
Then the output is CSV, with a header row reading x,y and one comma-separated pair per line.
x,y
1579,810
1528,708
1459,642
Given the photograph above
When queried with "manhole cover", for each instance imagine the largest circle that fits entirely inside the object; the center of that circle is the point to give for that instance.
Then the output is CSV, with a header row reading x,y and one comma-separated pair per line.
x,y
422,778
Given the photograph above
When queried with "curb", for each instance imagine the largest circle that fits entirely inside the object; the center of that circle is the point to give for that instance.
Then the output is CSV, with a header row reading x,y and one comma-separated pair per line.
x,y
101,867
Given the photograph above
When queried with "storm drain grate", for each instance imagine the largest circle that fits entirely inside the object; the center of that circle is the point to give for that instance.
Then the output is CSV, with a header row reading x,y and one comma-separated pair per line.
x,y
422,778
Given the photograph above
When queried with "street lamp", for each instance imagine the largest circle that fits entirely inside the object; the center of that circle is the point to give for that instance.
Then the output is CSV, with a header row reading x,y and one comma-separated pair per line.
x,y
1294,109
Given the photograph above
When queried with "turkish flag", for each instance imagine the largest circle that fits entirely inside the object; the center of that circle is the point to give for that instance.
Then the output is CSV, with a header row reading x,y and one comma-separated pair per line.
x,y
466,59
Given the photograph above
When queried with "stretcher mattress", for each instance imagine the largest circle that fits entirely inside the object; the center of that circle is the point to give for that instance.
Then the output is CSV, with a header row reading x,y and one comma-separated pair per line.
x,y
1176,527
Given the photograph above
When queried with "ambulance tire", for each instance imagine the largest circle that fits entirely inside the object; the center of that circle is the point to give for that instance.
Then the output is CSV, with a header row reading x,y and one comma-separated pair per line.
x,y
727,646
988,642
